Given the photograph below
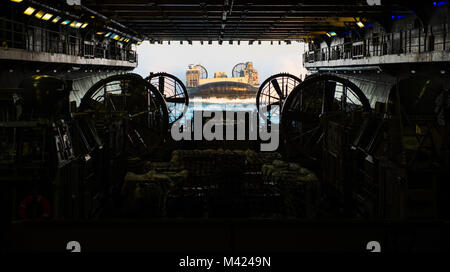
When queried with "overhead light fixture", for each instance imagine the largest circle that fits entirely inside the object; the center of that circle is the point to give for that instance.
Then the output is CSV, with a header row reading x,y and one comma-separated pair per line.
x,y
331,34
138,43
121,39
99,33
56,19
76,24
84,25
17,1
116,37
65,22
360,24
47,16
107,34
39,14
29,11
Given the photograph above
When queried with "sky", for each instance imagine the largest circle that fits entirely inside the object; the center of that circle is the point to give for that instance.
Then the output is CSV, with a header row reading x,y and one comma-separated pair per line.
x,y
174,58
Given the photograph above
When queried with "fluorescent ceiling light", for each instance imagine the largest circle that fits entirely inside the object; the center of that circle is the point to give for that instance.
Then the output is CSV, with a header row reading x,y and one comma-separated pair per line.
x,y
360,24
56,19
39,14
29,11
47,16
76,24
65,22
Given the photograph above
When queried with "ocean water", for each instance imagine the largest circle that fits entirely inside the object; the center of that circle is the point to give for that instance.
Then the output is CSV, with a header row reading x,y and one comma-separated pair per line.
x,y
220,104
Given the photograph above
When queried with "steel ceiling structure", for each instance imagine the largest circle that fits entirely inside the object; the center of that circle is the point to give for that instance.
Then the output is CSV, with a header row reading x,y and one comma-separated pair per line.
x,y
238,20
234,20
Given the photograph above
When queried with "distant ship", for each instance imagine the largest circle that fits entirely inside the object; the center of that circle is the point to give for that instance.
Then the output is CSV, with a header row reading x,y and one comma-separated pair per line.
x,y
242,85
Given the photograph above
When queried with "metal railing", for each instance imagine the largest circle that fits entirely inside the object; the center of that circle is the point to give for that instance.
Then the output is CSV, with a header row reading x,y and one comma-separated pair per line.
x,y
404,42
36,39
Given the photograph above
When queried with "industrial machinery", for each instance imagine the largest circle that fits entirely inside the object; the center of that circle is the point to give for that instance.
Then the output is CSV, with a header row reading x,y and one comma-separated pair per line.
x,y
37,150
119,117
59,161
319,121
203,71
134,103
238,70
319,98
173,91
390,162
272,93
403,153
90,167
